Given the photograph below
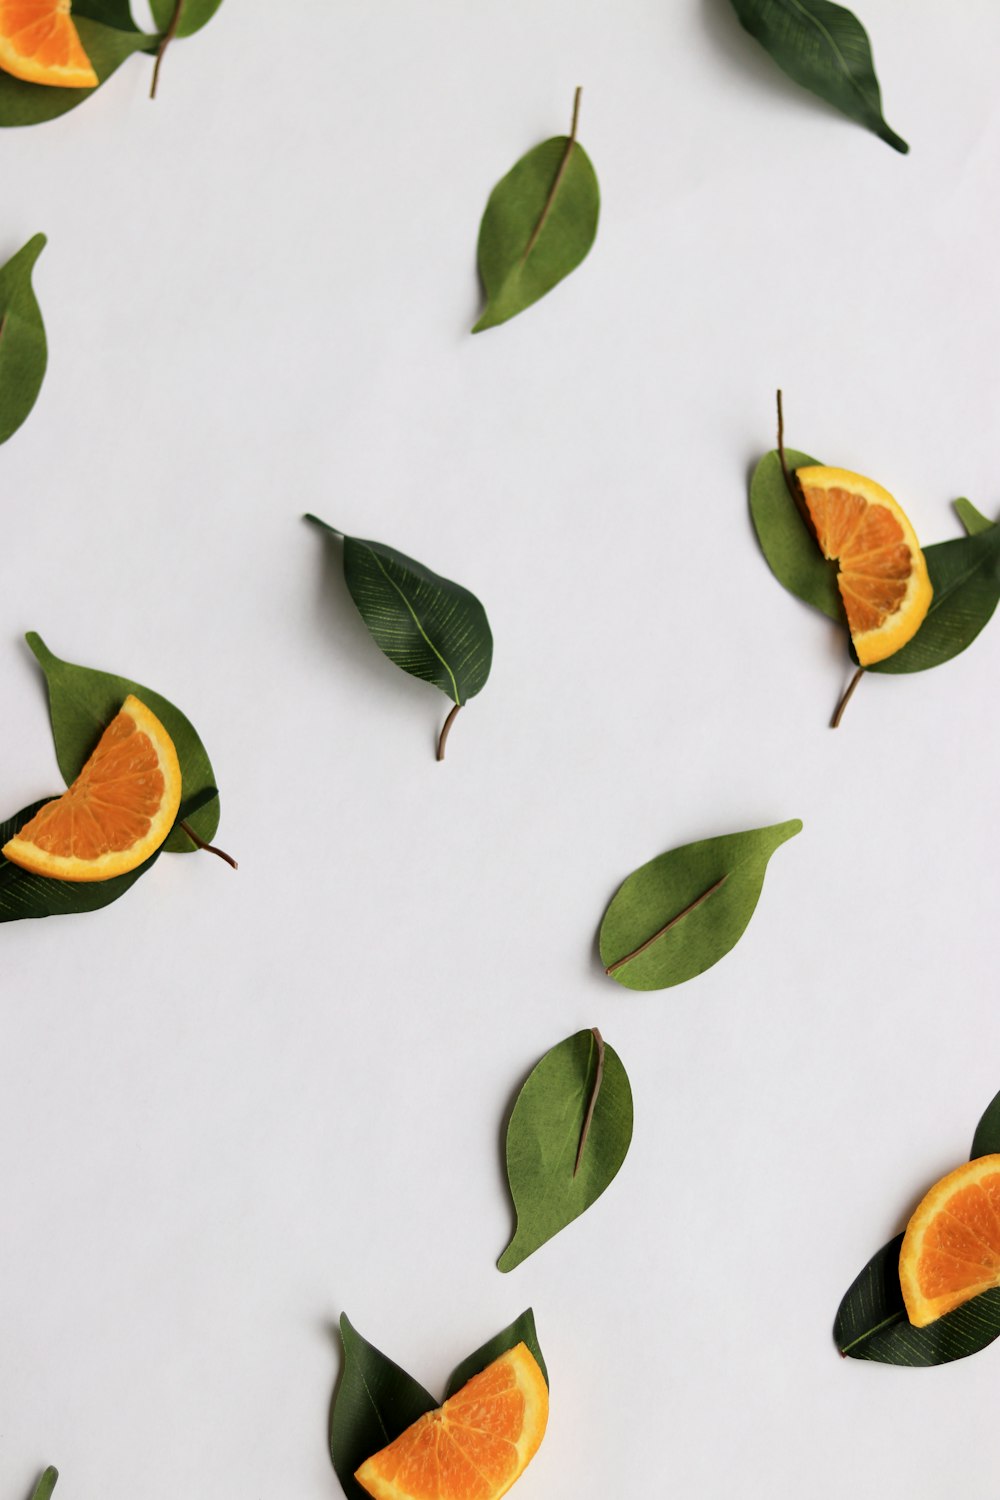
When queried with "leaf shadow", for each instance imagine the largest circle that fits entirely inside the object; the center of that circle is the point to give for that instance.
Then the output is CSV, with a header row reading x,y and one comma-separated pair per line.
x,y
331,1330
749,59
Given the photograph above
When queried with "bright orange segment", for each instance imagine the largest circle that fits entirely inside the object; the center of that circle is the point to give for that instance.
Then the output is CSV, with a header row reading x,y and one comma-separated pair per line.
x,y
474,1446
951,1249
883,577
40,44
117,812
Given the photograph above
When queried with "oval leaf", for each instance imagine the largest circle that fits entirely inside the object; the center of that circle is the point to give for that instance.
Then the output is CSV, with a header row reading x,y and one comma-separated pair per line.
x,y
825,48
786,542
568,1135
965,575
33,103
521,1331
678,915
82,702
539,224
374,1403
45,1486
986,1141
23,350
194,14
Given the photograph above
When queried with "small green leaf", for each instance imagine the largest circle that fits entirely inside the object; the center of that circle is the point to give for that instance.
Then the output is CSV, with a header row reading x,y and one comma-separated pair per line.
x,y
194,15
521,1331
986,1141
678,915
116,13
428,626
965,575
45,1486
825,48
568,1135
374,1403
82,703
34,103
539,224
23,349
972,519
790,549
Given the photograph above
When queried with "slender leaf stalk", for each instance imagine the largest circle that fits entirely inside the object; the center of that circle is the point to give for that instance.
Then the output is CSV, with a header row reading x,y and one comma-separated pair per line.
x,y
3,327
446,730
845,700
642,948
557,180
200,843
588,1118
168,36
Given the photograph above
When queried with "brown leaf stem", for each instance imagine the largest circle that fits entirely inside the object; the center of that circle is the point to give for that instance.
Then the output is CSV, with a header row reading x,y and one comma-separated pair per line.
x,y
446,730
792,484
845,700
200,843
3,326
613,968
588,1118
168,36
557,181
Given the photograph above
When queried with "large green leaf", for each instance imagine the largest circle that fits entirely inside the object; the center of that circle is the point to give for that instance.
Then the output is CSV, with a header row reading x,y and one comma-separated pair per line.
x,y
428,626
872,1323
678,915
825,48
82,702
23,349
786,542
34,103
568,1135
45,1486
539,224
109,12
965,575
521,1331
374,1403
194,15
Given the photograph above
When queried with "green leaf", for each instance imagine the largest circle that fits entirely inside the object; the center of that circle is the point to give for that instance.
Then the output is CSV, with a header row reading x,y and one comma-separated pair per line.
x,y
965,575
788,545
986,1141
428,626
23,349
82,702
825,48
195,15
521,1331
678,915
539,224
34,103
109,12
568,1135
374,1403
972,519
45,1486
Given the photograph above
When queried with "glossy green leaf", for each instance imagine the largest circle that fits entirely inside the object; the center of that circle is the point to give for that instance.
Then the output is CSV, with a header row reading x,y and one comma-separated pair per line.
x,y
678,915
539,224
789,547
972,519
33,103
521,1331
825,48
23,349
109,12
45,1486
194,15
965,575
82,702
428,626
986,1141
374,1403
568,1135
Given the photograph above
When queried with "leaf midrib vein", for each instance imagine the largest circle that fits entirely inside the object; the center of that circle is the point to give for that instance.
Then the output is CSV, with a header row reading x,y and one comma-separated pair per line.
x,y
416,620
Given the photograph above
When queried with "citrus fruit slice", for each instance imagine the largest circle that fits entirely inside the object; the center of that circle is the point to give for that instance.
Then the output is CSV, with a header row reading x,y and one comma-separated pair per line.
x,y
117,812
883,576
474,1446
39,43
951,1248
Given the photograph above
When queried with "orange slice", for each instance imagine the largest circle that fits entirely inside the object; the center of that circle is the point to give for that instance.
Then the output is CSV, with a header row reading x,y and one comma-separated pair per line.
x,y
117,812
883,576
474,1446
39,43
951,1248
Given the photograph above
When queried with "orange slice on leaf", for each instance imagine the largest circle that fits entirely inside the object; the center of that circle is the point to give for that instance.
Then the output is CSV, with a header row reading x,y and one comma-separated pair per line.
x,y
951,1248
40,44
117,812
883,577
474,1446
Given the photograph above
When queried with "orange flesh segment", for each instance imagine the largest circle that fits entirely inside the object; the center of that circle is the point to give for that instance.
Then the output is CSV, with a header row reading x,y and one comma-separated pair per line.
x,y
951,1249
473,1447
40,44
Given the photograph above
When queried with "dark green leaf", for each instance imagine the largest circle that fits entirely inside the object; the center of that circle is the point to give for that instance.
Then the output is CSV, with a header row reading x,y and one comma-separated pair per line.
x,y
972,519
374,1403
521,1331
965,575
34,103
826,49
45,1486
23,350
195,15
109,12
539,224
678,915
82,702
568,1135
788,545
986,1141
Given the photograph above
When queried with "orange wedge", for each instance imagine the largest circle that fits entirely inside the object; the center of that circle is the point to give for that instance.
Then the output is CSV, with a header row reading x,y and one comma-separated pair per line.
x,y
883,576
39,43
117,812
951,1248
474,1446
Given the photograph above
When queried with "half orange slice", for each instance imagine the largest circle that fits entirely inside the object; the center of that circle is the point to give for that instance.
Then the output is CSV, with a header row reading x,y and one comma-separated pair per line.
x,y
40,44
883,577
951,1248
473,1447
118,811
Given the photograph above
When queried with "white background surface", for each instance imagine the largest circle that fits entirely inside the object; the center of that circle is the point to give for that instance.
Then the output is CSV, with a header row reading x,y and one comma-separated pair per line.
x,y
232,1106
